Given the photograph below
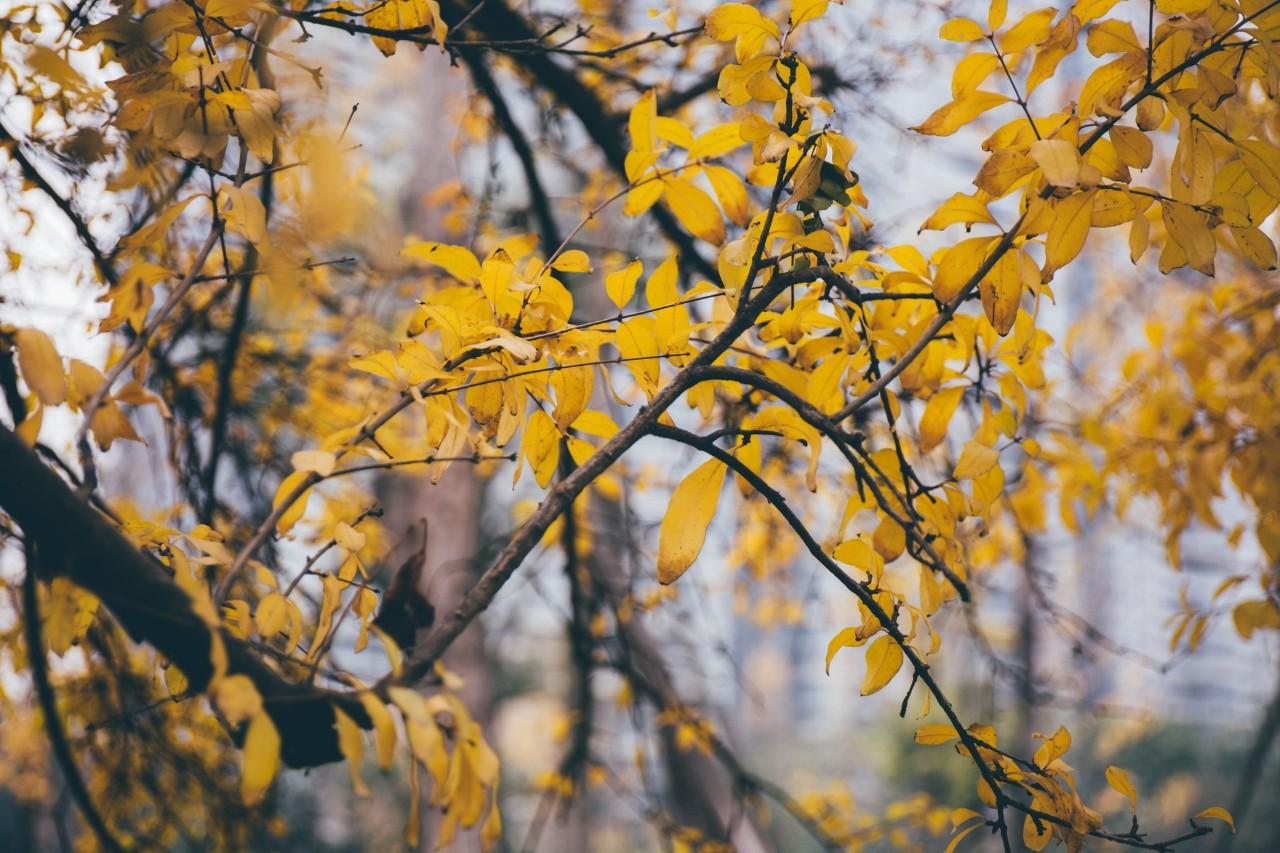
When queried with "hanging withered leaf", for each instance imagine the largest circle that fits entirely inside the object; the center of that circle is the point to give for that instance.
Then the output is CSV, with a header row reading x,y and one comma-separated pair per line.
x,y
405,609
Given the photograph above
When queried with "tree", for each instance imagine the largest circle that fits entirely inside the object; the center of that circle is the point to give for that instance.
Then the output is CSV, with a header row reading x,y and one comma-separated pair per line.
x,y
277,360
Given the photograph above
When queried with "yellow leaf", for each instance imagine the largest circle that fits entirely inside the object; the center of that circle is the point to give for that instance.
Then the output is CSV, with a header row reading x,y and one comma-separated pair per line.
x,y
996,14
384,730
637,342
521,350
717,141
69,612
491,830
158,226
1001,291
227,8
1198,165
1133,147
1234,207
889,540
884,659
742,22
959,264
1053,748
1119,780
1256,246
296,510
1181,7
621,284
1262,160
29,429
959,209
457,261
351,745
1249,616
860,554
826,386
405,15
596,423
971,72
1112,36
641,125
1003,169
572,260
695,210
1189,233
348,537
271,615
244,213
844,638
934,734
949,118
975,460
1059,161
803,11
329,602
1030,30
961,29
572,387
541,446
1139,237
174,681
1218,813
1068,231
413,824
41,366
366,602
448,830
674,131
958,837
109,424
730,192
84,380
1150,114
254,111
1113,207
643,197
684,527
1036,837
1104,87
937,417
986,795
670,319
237,698
261,758
425,738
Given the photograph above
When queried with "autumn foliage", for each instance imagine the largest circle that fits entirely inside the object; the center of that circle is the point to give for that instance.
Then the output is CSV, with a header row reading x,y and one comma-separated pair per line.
x,y
890,414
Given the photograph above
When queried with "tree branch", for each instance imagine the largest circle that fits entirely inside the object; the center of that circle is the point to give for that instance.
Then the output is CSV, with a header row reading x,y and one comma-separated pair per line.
x,y
558,499
151,607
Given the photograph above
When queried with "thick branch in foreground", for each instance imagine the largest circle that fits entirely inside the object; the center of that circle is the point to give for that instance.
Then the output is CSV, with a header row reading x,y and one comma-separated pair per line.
x,y
76,542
